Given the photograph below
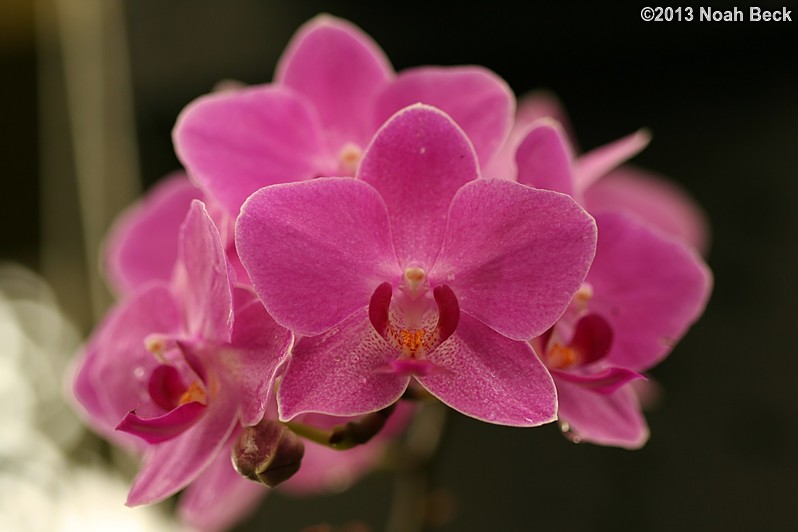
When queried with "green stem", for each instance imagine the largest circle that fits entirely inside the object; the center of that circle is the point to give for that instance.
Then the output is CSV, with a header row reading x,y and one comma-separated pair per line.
x,y
411,487
343,437
310,432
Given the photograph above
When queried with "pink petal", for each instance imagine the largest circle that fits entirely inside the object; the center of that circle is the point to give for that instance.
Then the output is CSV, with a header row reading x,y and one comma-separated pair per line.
x,y
649,288
85,391
259,345
448,311
226,221
162,428
202,277
193,354
531,108
166,386
170,466
592,338
219,497
417,162
340,70
604,382
658,202
379,308
340,372
114,374
315,251
597,163
479,101
142,244
234,143
543,104
514,255
544,158
492,378
604,419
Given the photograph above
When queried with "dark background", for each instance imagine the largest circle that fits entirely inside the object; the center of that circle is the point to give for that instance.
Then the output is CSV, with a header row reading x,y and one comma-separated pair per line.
x,y
722,102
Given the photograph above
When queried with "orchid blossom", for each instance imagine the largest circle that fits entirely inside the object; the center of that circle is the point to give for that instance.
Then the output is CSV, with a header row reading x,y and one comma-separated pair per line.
x,y
182,365
418,268
333,89
643,291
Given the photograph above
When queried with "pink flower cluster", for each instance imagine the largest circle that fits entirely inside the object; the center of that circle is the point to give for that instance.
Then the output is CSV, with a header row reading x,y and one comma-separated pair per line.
x,y
347,233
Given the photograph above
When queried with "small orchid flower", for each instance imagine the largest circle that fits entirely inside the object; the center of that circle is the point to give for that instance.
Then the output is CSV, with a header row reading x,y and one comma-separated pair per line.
x,y
418,268
596,178
641,295
117,367
643,291
333,89
182,365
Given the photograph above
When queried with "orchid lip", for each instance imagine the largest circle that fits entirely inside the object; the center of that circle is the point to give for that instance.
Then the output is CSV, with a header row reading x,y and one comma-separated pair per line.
x,y
165,427
168,390
410,366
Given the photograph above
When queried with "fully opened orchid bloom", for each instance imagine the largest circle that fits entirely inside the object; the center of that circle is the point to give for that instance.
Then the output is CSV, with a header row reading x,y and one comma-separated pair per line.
x,y
418,268
643,291
142,248
641,295
595,178
182,365
333,89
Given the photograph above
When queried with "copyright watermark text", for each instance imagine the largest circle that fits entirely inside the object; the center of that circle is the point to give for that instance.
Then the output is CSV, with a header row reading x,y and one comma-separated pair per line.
x,y
708,14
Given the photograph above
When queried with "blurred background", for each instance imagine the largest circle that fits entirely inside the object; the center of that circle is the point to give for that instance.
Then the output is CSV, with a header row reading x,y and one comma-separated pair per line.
x,y
91,90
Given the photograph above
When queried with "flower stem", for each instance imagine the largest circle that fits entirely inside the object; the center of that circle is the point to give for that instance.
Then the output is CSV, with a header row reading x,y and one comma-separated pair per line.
x,y
344,437
409,506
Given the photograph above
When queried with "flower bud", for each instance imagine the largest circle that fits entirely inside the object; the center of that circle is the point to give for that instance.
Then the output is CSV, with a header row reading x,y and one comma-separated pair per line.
x,y
269,453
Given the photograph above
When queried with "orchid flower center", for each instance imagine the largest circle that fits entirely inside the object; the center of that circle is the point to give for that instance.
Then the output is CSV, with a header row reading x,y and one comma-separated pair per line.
x,y
194,393
413,281
158,345
349,158
590,341
415,320
167,383
560,356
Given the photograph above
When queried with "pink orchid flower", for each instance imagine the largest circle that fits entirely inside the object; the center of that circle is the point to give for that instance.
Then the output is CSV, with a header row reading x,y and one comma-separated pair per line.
x,y
597,179
141,248
333,89
182,364
417,268
643,291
